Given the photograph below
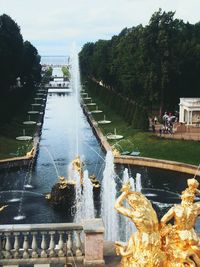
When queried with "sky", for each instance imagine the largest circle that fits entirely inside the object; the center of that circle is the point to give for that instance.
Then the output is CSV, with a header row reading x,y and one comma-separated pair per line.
x,y
52,26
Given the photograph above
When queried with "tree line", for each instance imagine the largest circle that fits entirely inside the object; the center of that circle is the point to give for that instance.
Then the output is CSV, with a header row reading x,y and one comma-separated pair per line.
x,y
18,59
152,66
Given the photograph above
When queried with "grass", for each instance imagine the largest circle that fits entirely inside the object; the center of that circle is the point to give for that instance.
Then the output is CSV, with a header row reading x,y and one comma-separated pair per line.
x,y
148,144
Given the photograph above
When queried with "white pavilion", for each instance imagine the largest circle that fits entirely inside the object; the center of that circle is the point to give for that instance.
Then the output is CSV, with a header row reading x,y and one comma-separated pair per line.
x,y
189,110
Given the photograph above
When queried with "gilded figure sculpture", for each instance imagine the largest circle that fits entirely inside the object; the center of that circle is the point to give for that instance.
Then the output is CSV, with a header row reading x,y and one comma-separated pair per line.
x,y
180,241
160,244
144,246
3,207
77,165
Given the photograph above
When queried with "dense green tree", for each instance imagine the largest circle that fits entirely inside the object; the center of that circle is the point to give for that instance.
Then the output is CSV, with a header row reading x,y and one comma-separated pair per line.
x,y
11,49
30,64
153,66
17,59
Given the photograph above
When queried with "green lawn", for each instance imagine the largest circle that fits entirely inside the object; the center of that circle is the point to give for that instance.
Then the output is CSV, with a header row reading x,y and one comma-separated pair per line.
x,y
9,146
148,144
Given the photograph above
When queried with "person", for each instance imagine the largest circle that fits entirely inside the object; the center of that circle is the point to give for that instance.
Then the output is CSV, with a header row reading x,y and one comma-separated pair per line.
x,y
181,242
144,246
153,128
155,120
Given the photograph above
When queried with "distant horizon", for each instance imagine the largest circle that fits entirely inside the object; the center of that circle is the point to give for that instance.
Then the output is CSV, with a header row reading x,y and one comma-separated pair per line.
x,y
59,24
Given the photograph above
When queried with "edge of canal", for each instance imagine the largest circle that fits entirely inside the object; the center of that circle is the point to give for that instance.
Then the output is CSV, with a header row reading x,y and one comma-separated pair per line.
x,y
135,160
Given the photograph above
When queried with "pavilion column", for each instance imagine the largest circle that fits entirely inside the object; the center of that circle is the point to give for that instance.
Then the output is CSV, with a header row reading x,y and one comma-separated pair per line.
x,y
181,113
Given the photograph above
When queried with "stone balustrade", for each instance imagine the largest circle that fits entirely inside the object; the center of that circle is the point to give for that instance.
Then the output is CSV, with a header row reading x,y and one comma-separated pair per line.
x,y
48,243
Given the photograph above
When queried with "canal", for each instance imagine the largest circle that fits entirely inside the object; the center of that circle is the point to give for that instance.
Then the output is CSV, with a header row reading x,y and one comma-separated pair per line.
x,y
66,133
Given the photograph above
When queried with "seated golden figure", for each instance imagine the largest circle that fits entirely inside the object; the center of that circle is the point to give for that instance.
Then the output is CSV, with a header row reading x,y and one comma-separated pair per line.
x,y
161,245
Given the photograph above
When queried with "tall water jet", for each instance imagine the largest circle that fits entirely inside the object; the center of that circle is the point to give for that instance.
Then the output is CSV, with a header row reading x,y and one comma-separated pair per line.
x,y
128,226
108,195
76,85
88,202
138,182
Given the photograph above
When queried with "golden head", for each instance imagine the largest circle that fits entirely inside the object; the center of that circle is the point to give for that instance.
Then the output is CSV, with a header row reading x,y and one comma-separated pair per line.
x,y
193,183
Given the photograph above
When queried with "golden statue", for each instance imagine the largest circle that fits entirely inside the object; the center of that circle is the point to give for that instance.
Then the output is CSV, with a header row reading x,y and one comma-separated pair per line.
x,y
144,246
62,182
30,153
163,244
180,241
77,165
3,207
115,152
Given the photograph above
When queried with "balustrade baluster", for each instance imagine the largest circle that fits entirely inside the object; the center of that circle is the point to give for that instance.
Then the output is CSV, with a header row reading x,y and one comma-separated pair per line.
x,y
78,244
8,247
1,246
52,252
69,244
43,246
16,245
61,252
34,246
25,245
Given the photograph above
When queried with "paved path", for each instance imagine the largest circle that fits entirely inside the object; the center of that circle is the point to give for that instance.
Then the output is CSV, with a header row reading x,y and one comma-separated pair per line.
x,y
192,133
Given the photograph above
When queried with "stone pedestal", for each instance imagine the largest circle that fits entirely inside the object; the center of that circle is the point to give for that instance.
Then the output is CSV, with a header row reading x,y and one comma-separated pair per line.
x,y
94,232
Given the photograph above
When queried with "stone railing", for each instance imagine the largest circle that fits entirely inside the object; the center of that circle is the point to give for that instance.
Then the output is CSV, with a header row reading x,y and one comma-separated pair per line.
x,y
51,243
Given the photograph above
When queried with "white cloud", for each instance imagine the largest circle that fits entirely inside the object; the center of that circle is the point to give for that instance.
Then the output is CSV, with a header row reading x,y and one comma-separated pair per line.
x,y
53,25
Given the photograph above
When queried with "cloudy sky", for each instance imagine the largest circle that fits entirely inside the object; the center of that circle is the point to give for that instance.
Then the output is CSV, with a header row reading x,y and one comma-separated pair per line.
x,y
53,25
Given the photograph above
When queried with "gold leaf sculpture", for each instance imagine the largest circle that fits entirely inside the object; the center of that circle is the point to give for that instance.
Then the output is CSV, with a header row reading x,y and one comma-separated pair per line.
x,y
161,244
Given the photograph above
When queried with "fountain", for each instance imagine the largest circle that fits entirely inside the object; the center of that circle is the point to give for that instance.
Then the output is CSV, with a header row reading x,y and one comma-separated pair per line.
x,y
33,112
114,136
138,185
104,121
126,223
91,103
29,122
36,105
96,110
87,97
38,99
24,137
108,199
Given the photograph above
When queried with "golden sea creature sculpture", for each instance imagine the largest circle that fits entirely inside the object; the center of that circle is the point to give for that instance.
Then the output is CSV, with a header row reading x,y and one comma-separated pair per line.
x,y
77,165
160,244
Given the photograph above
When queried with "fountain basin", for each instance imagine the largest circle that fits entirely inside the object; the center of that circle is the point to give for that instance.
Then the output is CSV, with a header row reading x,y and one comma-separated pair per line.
x,y
104,122
24,138
36,104
91,104
38,98
114,137
33,112
96,111
29,122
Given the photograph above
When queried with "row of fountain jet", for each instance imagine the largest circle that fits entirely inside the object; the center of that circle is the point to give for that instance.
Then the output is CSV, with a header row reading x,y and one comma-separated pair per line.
x,y
37,109
86,98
